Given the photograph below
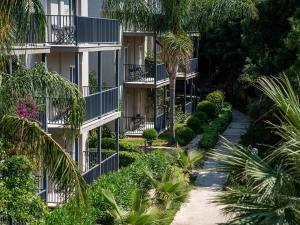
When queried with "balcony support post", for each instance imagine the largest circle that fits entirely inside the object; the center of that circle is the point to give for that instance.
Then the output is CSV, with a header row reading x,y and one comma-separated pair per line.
x,y
155,57
76,81
99,148
77,68
45,127
155,108
100,79
165,103
184,96
191,89
10,69
117,78
117,131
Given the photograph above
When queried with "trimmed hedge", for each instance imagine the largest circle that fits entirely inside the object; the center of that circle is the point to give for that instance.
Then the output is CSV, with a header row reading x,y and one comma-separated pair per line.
x,y
208,107
202,116
122,184
110,143
195,124
217,126
216,97
184,135
150,135
126,158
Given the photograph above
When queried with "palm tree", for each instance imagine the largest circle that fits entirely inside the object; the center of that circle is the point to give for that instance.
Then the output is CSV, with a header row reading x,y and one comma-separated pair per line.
x,y
266,190
27,135
187,160
169,190
15,19
172,20
140,212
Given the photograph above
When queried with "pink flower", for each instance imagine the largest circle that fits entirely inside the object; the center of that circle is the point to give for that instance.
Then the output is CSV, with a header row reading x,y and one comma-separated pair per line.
x,y
26,108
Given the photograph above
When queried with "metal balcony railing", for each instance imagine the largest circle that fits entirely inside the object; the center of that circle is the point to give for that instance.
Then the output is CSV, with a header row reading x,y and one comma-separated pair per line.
x,y
109,164
66,29
145,73
101,103
137,124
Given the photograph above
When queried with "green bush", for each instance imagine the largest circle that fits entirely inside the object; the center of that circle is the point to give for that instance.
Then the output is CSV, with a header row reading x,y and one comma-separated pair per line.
x,y
202,116
122,184
195,124
110,143
150,135
126,158
184,135
211,132
208,107
216,97
125,182
209,138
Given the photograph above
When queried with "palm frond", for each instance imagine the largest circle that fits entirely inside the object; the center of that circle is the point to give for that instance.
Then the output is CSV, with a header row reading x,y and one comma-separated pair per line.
x,y
42,148
15,19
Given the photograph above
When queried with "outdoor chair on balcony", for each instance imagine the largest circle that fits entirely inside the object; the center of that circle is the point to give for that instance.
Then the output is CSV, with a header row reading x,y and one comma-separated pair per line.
x,y
136,73
63,34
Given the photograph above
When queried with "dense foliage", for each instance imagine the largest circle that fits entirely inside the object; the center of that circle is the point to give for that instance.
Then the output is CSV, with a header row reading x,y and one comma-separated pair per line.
x,y
235,54
18,192
121,184
265,190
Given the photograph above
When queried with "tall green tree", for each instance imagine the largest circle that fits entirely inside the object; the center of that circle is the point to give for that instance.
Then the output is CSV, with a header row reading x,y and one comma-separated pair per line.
x,y
172,21
19,124
265,190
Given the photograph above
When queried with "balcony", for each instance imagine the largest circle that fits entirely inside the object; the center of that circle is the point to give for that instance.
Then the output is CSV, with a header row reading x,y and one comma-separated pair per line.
x,y
141,75
97,104
135,125
188,71
66,30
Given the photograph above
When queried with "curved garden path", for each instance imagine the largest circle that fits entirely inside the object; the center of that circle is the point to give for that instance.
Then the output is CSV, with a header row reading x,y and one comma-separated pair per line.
x,y
199,209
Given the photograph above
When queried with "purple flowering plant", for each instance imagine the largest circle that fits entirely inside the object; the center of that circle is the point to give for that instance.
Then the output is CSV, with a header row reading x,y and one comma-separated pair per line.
x,y
26,108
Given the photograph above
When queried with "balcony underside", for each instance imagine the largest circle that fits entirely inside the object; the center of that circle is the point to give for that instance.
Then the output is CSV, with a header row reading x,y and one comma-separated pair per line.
x,y
30,49
88,125
147,84
86,47
183,76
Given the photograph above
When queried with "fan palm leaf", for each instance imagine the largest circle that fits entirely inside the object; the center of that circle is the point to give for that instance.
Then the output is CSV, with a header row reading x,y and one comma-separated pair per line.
x,y
268,190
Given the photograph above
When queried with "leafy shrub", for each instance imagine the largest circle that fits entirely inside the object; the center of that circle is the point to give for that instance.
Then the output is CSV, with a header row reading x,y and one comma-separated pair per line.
x,y
150,135
212,131
106,132
184,135
208,107
180,116
126,158
110,143
216,97
129,146
122,184
195,124
18,198
202,116
209,138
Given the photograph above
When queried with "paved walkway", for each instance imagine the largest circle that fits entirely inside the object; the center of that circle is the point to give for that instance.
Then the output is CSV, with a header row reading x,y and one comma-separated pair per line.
x,y
199,210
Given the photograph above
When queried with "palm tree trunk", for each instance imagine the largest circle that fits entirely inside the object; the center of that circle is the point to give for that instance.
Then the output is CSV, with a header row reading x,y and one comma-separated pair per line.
x,y
172,139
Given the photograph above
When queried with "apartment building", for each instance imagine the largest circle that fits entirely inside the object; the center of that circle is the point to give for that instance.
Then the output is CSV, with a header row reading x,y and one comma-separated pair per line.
x,y
145,91
73,39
